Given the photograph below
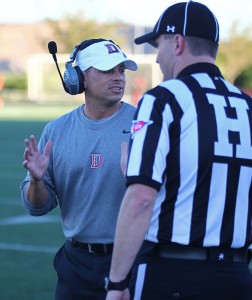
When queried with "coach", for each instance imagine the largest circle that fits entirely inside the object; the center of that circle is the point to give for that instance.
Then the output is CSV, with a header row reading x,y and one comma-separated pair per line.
x,y
76,165
189,173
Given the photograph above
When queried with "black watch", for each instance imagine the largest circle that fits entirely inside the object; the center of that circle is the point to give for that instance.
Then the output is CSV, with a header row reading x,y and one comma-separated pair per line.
x,y
115,286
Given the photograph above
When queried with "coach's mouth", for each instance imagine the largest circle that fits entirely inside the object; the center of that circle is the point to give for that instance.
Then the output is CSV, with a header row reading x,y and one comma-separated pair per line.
x,y
116,89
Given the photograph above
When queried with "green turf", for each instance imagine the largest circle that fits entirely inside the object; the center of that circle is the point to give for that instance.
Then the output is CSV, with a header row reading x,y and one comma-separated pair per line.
x,y
24,275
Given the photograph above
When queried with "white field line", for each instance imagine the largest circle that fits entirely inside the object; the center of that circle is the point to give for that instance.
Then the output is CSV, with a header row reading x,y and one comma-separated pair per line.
x,y
28,248
26,219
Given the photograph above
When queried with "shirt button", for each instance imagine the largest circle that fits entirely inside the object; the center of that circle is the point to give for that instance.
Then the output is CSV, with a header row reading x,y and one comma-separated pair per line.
x,y
176,295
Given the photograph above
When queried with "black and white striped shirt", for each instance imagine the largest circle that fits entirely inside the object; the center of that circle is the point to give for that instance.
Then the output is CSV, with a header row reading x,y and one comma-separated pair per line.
x,y
191,140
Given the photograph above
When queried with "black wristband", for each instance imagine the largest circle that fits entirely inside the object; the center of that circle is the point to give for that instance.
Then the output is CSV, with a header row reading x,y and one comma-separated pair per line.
x,y
115,286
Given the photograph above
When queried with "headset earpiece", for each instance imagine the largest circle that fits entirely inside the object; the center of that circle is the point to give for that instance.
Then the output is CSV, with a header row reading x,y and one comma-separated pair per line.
x,y
74,79
73,76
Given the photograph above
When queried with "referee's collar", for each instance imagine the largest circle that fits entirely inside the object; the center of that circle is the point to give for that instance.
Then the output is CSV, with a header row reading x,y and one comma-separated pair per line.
x,y
200,68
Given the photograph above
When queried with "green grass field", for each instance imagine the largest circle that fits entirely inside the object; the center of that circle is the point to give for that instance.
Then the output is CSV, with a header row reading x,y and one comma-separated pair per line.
x,y
27,244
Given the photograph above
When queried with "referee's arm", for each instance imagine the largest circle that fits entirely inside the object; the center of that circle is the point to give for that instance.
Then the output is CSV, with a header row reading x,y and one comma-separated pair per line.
x,y
132,224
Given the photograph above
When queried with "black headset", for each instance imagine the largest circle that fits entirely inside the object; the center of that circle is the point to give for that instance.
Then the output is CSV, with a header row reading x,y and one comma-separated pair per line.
x,y
73,76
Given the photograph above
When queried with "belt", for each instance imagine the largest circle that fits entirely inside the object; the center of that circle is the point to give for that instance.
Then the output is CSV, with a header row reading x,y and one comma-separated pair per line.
x,y
94,248
205,254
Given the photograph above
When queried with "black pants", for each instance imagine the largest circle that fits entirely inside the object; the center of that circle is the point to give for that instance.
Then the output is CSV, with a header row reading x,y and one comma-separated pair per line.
x,y
165,279
80,273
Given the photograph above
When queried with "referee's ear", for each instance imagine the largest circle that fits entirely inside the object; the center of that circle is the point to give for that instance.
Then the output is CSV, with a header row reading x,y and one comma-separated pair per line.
x,y
179,44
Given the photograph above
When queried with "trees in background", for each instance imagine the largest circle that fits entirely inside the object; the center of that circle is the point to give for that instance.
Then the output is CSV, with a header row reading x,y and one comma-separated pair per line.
x,y
74,29
234,57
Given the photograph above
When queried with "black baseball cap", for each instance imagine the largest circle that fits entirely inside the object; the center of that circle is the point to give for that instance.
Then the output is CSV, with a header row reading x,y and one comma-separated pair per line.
x,y
185,18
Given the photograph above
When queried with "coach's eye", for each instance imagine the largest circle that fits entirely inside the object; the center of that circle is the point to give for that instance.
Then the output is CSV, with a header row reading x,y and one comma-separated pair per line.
x,y
122,70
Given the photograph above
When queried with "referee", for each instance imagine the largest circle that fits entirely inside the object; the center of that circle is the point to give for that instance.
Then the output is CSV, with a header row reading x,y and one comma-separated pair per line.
x,y
189,195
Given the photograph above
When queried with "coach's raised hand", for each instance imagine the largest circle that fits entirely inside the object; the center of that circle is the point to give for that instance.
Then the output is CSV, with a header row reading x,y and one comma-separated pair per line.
x,y
36,163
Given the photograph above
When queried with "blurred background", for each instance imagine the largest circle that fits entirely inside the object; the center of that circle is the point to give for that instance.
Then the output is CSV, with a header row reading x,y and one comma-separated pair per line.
x,y
31,94
28,72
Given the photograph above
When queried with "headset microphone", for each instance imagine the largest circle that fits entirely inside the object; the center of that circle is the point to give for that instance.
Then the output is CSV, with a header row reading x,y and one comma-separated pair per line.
x,y
73,81
52,47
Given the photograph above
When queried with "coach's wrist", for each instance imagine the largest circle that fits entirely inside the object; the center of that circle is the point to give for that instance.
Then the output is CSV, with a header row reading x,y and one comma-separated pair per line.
x,y
35,180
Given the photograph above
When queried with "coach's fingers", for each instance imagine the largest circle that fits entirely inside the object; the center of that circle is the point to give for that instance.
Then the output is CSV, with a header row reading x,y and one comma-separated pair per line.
x,y
34,143
27,143
25,164
26,153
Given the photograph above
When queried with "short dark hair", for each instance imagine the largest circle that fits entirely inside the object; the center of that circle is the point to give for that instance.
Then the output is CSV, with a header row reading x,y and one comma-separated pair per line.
x,y
198,46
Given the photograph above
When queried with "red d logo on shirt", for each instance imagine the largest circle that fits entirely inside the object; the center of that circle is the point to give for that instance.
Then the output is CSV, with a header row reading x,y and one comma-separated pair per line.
x,y
96,161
